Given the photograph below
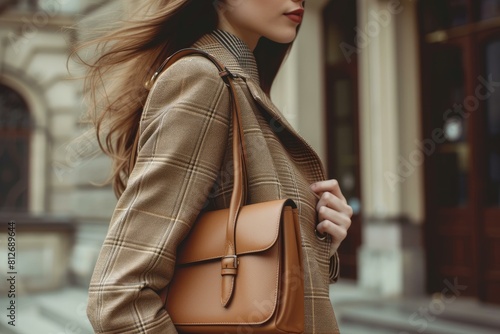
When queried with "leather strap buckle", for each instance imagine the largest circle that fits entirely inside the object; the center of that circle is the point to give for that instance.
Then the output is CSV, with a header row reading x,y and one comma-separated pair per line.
x,y
229,265
235,262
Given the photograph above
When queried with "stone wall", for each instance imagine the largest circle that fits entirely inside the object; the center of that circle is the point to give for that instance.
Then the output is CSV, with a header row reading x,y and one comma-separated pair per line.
x,y
64,159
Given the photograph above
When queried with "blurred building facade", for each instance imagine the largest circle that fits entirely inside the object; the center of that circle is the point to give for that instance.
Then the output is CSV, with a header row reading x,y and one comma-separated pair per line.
x,y
412,115
48,164
399,97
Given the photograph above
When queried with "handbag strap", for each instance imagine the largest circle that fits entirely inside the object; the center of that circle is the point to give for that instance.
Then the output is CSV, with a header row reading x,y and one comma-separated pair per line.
x,y
229,262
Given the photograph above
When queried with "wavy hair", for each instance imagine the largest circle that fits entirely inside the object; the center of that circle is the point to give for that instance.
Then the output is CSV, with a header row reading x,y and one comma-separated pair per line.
x,y
127,56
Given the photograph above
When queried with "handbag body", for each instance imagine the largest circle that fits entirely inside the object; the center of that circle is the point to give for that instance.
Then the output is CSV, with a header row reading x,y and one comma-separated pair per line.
x,y
268,294
239,270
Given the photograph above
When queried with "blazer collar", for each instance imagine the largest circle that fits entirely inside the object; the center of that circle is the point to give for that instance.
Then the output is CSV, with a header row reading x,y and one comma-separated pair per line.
x,y
238,58
233,53
230,51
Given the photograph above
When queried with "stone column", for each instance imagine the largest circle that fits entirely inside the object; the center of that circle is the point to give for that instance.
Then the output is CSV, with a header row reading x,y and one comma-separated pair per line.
x,y
390,258
299,87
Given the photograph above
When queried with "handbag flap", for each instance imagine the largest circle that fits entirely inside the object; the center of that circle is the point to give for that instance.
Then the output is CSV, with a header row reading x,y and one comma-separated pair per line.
x,y
256,230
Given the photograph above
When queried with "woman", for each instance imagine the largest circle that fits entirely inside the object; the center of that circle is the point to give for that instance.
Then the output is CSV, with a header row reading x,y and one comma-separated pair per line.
x,y
183,166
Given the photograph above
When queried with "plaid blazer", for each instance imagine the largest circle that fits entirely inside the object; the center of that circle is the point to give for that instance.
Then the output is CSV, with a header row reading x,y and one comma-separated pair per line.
x,y
184,167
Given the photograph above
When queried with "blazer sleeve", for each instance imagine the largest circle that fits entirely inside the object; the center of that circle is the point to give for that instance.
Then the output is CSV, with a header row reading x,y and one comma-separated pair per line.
x,y
184,134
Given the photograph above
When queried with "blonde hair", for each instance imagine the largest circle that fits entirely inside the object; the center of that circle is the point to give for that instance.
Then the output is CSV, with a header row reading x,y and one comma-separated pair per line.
x,y
127,57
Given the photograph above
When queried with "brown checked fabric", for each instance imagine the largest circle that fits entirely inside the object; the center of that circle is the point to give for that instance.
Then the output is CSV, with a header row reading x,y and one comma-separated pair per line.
x,y
184,167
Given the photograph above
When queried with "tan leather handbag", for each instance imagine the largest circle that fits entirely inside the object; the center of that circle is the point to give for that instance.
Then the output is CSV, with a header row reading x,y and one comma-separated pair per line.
x,y
240,269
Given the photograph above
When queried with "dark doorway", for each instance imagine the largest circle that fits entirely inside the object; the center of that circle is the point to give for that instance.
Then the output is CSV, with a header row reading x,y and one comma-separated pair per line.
x,y
461,94
342,125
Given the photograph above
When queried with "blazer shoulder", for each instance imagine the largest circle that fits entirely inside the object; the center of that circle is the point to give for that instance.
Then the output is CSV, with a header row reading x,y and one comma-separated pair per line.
x,y
191,67
190,84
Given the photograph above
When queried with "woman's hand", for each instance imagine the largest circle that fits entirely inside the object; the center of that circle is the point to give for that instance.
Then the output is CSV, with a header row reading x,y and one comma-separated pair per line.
x,y
334,213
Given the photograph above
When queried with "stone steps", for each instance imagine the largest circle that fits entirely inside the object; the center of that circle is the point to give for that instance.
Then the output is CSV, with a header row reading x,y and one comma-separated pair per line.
x,y
57,312
30,320
394,320
462,311
364,312
68,308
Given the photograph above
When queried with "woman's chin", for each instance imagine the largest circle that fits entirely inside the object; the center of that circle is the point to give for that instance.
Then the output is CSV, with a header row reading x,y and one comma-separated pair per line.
x,y
284,38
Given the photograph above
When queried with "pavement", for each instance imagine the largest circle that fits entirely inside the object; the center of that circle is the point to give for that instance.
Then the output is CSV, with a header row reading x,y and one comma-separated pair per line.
x,y
358,311
61,311
361,311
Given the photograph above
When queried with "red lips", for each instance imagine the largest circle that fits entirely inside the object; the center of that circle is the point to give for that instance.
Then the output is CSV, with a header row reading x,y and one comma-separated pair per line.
x,y
296,15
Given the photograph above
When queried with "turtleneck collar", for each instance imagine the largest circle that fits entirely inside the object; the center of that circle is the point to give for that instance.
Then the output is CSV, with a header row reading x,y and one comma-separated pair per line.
x,y
239,50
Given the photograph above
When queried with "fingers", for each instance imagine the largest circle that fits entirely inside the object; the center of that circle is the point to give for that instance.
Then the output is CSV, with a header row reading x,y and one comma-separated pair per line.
x,y
331,186
338,233
330,218
334,222
331,201
334,214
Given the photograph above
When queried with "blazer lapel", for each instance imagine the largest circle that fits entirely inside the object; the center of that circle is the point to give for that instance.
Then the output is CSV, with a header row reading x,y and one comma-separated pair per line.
x,y
210,44
268,106
265,102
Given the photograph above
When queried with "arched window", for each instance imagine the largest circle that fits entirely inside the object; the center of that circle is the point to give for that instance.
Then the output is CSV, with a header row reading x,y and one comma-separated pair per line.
x,y
15,130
